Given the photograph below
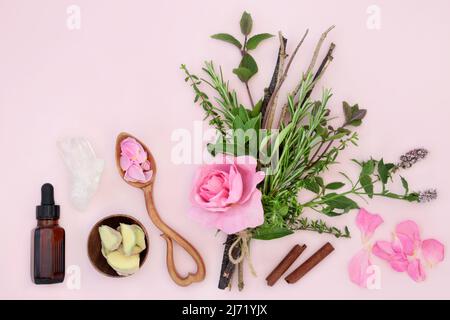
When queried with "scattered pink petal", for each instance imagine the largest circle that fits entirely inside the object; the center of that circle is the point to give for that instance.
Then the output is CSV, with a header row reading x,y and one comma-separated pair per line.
x,y
367,223
358,266
432,251
383,250
408,234
386,251
415,270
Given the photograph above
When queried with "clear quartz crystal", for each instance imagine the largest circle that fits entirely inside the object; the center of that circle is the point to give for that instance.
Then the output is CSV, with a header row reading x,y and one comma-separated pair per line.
x,y
85,169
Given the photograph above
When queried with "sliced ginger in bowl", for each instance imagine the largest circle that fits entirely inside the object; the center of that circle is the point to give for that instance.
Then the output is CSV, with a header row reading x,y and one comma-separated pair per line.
x,y
121,247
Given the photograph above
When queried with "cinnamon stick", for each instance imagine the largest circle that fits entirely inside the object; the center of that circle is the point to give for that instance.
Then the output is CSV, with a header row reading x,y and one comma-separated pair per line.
x,y
284,264
312,261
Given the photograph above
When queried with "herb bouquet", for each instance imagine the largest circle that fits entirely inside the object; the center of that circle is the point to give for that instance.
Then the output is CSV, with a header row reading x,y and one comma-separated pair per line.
x,y
292,142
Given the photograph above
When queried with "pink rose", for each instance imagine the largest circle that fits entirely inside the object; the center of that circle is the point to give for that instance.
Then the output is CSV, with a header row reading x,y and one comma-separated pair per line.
x,y
133,160
225,194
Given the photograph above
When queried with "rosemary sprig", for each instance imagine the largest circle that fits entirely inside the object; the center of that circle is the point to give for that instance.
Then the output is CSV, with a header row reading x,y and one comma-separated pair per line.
x,y
202,98
318,226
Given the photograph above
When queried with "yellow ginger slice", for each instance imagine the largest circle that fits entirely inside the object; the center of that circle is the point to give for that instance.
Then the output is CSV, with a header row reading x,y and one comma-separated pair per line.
x,y
122,264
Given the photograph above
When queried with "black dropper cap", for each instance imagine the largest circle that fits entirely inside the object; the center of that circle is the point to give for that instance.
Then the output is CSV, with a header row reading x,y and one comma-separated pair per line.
x,y
47,210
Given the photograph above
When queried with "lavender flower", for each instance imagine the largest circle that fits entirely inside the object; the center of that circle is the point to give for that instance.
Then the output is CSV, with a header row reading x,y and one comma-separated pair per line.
x,y
411,157
427,195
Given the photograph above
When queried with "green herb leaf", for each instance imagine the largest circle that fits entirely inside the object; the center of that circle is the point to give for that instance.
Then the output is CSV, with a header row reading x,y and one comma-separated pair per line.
x,y
366,183
368,167
243,74
249,63
254,41
238,123
246,23
405,185
340,202
319,181
412,197
227,38
334,185
383,171
256,109
269,233
312,185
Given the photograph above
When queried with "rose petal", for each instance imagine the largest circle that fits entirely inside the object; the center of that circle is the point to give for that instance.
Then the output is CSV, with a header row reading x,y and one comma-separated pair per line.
x,y
416,271
358,267
399,264
148,175
235,219
367,223
385,251
236,186
246,166
146,165
408,234
133,150
125,162
135,174
432,251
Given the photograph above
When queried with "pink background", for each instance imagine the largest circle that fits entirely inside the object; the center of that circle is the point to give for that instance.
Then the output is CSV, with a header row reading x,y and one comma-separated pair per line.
x,y
120,72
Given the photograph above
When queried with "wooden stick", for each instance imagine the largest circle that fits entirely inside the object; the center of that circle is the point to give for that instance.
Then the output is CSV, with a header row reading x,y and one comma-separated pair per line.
x,y
312,261
317,50
321,70
228,267
271,107
284,264
273,82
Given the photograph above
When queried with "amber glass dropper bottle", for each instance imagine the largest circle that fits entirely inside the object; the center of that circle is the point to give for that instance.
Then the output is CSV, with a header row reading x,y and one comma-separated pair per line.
x,y
48,257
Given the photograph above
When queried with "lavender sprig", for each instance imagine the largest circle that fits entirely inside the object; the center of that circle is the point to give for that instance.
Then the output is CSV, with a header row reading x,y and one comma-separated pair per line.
x,y
411,157
427,195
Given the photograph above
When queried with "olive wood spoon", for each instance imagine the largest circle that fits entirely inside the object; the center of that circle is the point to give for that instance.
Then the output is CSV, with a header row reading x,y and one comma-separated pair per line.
x,y
168,233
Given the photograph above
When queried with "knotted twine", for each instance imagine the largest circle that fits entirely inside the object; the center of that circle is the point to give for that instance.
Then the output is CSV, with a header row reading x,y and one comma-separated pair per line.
x,y
244,238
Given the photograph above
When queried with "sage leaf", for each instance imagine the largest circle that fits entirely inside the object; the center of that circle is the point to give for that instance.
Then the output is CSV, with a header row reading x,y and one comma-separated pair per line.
x,y
347,111
246,23
254,41
227,38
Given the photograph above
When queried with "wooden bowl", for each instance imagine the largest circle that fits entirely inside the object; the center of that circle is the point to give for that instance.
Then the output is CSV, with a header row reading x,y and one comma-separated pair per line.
x,y
95,245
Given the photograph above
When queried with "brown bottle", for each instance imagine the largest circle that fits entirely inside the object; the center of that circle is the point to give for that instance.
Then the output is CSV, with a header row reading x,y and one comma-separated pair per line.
x,y
48,240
